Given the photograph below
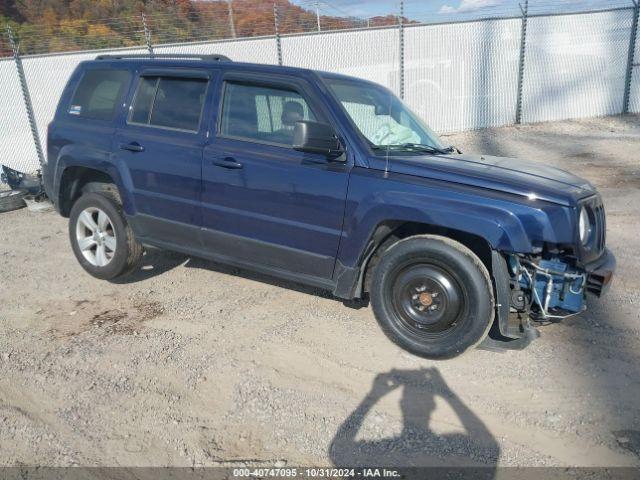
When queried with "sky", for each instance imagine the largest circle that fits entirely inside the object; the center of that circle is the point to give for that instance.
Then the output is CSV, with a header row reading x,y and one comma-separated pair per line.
x,y
423,9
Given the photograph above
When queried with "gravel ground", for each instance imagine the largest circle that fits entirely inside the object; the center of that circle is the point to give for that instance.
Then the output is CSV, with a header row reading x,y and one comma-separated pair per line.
x,y
189,362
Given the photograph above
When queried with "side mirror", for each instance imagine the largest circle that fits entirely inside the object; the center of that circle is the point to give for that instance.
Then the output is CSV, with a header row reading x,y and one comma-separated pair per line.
x,y
314,137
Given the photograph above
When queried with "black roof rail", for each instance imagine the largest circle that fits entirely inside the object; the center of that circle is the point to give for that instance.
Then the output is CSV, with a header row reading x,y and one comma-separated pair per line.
x,y
212,58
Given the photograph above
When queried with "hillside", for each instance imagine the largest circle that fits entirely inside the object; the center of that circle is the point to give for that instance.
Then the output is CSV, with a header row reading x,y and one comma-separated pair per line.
x,y
65,25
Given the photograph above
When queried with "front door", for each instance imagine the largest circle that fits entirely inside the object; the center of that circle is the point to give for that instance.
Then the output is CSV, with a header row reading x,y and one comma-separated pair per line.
x,y
263,202
161,144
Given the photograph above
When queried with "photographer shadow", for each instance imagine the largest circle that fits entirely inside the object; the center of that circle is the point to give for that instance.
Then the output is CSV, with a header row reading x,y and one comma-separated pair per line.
x,y
417,445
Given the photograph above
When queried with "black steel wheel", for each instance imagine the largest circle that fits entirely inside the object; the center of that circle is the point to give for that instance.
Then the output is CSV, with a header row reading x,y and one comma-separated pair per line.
x,y
428,299
432,296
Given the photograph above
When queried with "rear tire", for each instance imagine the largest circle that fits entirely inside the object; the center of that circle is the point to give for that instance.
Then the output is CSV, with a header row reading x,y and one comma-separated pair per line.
x,y
432,296
101,238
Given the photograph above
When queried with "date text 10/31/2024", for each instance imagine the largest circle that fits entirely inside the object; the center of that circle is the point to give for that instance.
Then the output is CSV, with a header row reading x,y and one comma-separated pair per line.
x,y
316,472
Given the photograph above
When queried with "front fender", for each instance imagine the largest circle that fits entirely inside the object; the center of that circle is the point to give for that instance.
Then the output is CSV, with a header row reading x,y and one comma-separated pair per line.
x,y
508,223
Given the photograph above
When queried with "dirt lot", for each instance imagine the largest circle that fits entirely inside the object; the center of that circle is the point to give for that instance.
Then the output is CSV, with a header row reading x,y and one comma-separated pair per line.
x,y
192,363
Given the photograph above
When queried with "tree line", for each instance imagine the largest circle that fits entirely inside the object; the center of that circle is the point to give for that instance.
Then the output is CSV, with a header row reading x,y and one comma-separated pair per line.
x,y
44,26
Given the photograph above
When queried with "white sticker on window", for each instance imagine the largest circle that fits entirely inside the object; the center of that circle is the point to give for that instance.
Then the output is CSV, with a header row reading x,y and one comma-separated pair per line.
x,y
75,109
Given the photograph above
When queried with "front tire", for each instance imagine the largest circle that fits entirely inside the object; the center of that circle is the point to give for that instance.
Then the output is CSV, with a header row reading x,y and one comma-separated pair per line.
x,y
432,296
101,238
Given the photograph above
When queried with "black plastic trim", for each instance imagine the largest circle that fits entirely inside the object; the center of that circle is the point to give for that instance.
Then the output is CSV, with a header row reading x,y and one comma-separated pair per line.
x,y
166,56
186,239
500,275
600,274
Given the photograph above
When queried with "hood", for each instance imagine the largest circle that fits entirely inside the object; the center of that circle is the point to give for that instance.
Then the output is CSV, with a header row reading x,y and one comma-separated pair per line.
x,y
503,174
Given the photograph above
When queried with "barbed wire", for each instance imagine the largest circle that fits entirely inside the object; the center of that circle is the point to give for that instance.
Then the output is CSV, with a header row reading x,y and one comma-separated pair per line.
x,y
211,21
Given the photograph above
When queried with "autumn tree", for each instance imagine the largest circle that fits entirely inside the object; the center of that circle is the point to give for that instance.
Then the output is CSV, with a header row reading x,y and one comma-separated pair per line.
x,y
65,25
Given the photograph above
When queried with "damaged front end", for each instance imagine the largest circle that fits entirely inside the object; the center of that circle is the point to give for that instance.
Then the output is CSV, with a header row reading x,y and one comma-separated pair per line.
x,y
551,281
546,290
535,290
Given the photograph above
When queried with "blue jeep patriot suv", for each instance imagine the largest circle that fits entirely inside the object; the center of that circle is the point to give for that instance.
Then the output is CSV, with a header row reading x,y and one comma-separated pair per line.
x,y
327,180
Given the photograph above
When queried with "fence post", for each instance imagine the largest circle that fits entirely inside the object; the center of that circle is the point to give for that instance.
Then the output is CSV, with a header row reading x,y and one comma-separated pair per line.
x,y
523,52
401,42
631,60
276,22
147,34
232,26
318,14
26,96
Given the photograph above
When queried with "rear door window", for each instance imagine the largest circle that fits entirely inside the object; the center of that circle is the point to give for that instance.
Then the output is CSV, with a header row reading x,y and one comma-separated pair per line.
x,y
169,102
99,93
144,100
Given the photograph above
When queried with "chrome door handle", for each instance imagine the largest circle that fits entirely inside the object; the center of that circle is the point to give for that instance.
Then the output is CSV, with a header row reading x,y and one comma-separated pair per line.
x,y
227,162
132,147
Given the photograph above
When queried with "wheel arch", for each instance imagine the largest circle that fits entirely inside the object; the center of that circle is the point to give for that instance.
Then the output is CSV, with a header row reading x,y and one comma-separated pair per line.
x,y
72,182
388,232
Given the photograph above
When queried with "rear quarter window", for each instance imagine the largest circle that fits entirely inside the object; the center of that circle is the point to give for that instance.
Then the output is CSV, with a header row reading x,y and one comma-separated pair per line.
x,y
99,93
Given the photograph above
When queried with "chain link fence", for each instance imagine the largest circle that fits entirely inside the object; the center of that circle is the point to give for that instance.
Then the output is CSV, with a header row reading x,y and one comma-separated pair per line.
x,y
576,65
458,75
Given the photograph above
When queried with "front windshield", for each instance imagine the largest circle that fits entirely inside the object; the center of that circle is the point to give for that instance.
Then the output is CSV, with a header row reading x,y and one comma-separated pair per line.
x,y
382,118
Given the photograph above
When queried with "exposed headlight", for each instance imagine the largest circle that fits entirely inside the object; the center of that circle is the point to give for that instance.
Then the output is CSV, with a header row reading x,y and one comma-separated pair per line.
x,y
584,226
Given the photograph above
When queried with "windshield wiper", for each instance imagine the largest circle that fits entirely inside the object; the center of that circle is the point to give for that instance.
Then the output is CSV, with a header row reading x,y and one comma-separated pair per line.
x,y
413,147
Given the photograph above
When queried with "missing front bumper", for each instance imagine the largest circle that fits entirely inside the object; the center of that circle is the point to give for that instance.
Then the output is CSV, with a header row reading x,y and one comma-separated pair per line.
x,y
560,297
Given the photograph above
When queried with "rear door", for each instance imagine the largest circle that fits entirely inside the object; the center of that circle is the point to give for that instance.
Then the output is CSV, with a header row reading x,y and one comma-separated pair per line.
x,y
265,203
161,143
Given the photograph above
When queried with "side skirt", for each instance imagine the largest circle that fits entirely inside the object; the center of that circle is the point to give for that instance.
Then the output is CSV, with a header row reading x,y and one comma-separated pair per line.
x,y
322,283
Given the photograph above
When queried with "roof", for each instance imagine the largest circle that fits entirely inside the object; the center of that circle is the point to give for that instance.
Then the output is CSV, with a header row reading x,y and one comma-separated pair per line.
x,y
196,60
192,61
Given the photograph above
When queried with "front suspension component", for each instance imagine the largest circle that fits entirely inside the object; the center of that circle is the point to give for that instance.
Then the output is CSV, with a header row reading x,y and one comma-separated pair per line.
x,y
555,290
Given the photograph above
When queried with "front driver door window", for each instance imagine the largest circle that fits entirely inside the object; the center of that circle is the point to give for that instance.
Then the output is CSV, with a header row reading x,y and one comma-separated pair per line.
x,y
263,114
